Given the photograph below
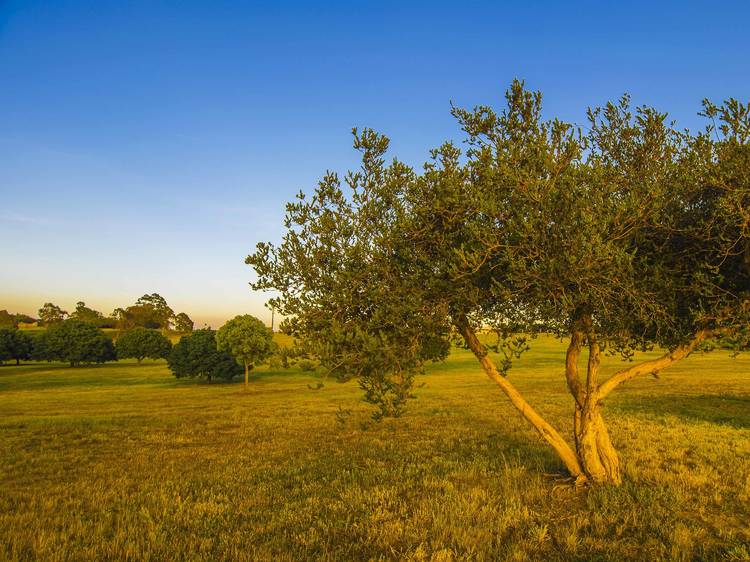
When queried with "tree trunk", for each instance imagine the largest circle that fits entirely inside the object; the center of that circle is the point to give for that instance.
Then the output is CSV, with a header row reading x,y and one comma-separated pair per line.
x,y
594,460
18,361
547,432
595,451
247,371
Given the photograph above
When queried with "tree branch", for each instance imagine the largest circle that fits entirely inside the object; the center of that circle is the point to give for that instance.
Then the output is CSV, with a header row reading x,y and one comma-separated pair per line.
x,y
653,366
547,432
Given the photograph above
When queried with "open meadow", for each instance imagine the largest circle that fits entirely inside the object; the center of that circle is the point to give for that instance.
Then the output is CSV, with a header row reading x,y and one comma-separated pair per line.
x,y
124,462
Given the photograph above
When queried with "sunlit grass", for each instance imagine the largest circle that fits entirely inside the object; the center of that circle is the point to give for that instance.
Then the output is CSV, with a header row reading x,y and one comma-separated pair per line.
x,y
123,462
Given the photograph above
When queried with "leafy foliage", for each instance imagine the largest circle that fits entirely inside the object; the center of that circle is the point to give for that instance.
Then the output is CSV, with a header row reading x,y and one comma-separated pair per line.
x,y
14,344
140,343
51,314
182,323
74,342
149,311
630,235
86,314
247,339
196,355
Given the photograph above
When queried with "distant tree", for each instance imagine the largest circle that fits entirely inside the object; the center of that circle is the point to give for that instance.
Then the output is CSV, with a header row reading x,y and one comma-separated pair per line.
x,y
23,319
7,320
247,339
182,323
149,311
75,342
160,312
51,314
86,314
140,343
196,355
14,344
630,236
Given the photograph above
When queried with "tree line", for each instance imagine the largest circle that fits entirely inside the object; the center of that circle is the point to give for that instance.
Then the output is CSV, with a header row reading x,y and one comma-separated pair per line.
x,y
149,311
238,346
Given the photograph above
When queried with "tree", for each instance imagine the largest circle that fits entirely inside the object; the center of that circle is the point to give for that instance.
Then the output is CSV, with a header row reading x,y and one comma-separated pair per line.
x,y
14,344
149,311
86,314
140,343
75,342
247,339
51,314
158,309
182,323
196,355
7,320
631,236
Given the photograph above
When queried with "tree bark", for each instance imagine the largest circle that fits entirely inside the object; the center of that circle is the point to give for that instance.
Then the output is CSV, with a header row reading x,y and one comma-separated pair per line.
x,y
247,371
547,432
596,454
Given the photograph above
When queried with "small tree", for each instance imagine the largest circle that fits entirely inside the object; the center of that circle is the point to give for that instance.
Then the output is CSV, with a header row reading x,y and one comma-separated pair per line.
x,y
51,314
140,343
76,342
182,323
247,339
14,344
196,355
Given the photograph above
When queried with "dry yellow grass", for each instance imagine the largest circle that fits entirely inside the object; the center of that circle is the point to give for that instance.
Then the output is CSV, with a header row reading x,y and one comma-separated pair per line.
x,y
123,462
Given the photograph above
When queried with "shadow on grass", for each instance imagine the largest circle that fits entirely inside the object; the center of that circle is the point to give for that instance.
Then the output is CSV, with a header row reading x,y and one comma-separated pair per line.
x,y
720,409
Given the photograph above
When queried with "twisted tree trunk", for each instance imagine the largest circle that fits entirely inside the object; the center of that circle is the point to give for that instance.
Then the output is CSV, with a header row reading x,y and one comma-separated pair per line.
x,y
547,432
594,460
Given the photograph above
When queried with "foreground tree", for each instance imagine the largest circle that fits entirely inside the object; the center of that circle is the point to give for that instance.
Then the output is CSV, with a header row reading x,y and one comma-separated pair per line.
x,y
631,236
196,355
247,339
14,344
75,342
140,343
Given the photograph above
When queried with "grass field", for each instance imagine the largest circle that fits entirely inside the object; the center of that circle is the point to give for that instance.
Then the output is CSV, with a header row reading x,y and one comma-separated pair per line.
x,y
123,462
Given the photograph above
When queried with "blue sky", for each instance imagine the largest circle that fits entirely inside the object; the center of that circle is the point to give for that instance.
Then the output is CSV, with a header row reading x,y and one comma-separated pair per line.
x,y
147,146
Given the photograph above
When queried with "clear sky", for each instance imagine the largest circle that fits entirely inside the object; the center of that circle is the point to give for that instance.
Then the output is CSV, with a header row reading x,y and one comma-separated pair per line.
x,y
146,146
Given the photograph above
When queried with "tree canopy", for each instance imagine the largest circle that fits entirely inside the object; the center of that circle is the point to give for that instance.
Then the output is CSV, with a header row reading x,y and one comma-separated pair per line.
x,y
14,344
196,355
140,343
74,342
247,339
182,323
623,236
86,314
51,314
152,311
